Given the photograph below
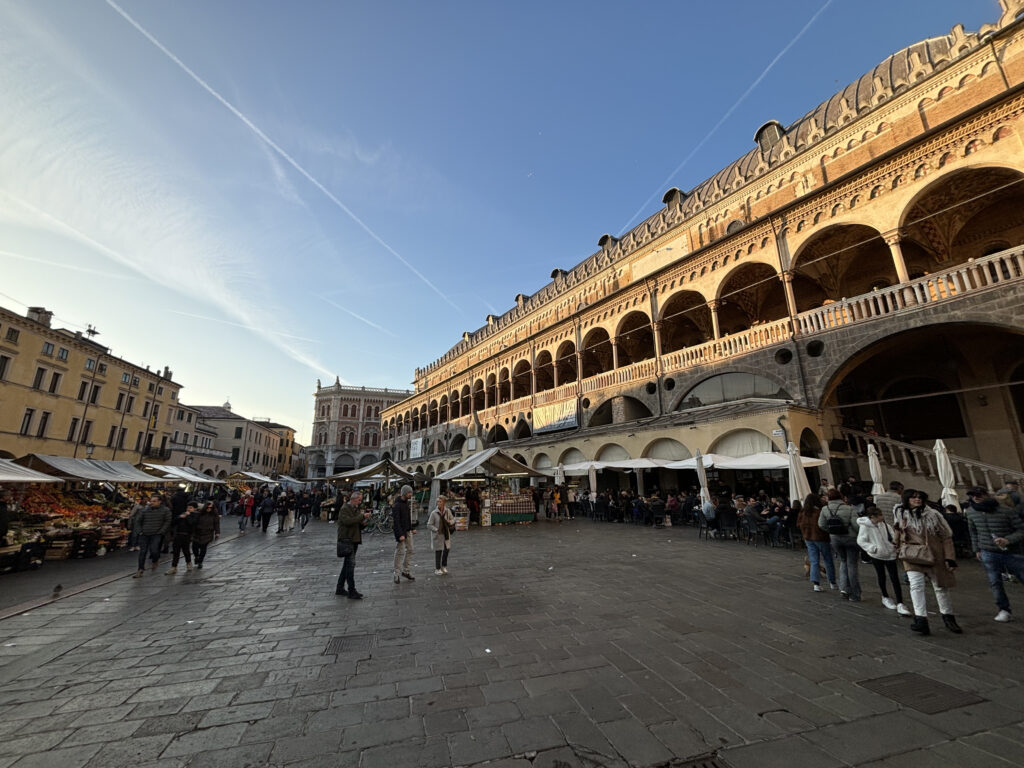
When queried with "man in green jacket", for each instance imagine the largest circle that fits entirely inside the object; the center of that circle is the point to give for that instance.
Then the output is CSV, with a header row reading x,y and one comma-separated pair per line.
x,y
351,521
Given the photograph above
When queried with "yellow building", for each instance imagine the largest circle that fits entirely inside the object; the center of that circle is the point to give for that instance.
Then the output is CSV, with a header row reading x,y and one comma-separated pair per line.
x,y
63,394
855,277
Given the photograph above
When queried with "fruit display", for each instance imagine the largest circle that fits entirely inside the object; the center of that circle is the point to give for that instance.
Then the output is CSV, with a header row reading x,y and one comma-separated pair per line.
x,y
69,523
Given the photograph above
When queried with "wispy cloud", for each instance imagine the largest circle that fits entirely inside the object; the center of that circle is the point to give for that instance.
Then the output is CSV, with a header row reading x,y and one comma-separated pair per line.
x,y
360,318
71,267
242,325
273,145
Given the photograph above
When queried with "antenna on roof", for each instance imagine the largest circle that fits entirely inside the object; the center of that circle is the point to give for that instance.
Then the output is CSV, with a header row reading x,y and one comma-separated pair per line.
x,y
91,331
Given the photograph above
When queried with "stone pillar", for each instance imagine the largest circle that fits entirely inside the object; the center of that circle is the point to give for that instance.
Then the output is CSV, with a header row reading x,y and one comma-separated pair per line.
x,y
892,239
787,286
579,366
615,353
656,329
554,374
533,381
713,306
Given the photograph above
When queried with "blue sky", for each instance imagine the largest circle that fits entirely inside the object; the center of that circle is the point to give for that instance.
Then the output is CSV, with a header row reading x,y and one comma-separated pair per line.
x,y
343,188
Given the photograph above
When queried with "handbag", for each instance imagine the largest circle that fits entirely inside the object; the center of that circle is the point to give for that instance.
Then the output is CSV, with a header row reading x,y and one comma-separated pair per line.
x,y
345,548
917,554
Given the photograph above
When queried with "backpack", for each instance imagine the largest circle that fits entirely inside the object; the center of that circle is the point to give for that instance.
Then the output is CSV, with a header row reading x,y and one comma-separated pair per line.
x,y
834,525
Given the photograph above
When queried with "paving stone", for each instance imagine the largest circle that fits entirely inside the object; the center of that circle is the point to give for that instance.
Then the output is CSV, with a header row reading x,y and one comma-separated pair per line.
x,y
509,690
634,742
243,756
73,757
239,714
440,723
873,737
430,753
97,734
295,748
36,743
220,737
128,753
532,734
182,722
478,745
790,752
335,718
599,705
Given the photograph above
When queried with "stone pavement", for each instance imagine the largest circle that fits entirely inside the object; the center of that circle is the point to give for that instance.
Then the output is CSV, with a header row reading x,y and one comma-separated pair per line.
x,y
574,644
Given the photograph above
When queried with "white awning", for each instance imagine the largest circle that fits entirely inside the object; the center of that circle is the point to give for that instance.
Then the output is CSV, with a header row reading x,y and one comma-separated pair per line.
x,y
763,460
493,461
184,473
15,473
87,469
383,467
254,476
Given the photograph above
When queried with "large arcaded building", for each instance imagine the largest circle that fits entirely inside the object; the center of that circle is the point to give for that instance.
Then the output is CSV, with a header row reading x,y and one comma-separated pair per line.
x,y
858,271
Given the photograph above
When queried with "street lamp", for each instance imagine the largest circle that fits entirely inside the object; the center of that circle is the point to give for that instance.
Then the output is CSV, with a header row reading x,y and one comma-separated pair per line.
x,y
188,461
89,448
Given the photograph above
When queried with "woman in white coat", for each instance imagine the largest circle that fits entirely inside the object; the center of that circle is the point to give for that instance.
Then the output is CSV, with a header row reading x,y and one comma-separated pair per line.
x,y
441,523
876,537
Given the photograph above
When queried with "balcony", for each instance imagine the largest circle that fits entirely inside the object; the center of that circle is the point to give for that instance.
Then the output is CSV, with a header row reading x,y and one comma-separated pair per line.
x,y
1000,270
156,453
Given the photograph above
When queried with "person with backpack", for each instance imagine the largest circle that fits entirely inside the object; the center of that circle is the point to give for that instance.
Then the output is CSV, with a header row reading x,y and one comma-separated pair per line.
x,y
839,520
876,537
817,541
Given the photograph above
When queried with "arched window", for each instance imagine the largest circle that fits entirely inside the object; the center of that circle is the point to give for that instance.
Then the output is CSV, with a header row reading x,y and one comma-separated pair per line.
x,y
376,411
369,411
344,411
728,387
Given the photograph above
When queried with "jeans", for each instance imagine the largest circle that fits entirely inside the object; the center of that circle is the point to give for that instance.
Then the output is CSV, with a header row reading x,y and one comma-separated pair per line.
x,y
199,552
242,520
995,563
265,521
149,543
917,580
402,564
888,566
303,519
818,551
181,546
849,559
346,579
441,558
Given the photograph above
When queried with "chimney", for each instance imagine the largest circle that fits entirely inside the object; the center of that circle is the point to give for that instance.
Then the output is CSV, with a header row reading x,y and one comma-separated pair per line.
x,y
40,315
168,373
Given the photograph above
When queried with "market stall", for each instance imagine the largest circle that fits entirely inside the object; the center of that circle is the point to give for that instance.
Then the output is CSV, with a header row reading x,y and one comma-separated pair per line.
x,y
501,499
17,551
181,474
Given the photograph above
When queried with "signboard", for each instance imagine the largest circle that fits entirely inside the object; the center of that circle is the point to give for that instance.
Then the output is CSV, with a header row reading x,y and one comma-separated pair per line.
x,y
778,433
416,448
554,416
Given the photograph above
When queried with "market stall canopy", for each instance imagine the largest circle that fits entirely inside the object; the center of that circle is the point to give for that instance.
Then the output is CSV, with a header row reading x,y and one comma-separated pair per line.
x,y
765,460
87,469
290,480
15,473
183,473
383,467
493,461
253,476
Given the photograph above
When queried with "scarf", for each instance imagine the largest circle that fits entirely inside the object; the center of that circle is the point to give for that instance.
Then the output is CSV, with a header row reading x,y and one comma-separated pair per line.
x,y
923,520
444,527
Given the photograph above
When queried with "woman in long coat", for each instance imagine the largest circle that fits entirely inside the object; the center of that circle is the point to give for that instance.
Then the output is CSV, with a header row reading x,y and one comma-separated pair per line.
x,y
441,524
207,528
919,527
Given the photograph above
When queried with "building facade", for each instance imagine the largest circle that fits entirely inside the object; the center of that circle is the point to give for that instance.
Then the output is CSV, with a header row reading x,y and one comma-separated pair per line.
x,y
250,446
63,394
347,426
288,452
855,277
192,443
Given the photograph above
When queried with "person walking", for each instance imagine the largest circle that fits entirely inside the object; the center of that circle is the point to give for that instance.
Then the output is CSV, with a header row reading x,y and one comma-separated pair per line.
x,y
997,539
245,506
182,526
441,524
207,528
152,524
403,531
924,543
281,508
266,509
289,521
133,535
818,543
351,521
839,519
303,506
876,537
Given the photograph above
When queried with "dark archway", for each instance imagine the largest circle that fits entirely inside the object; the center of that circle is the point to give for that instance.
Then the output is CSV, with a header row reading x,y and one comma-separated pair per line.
x,y
685,321
457,442
478,395
504,386
750,295
841,261
521,380
963,215
634,339
433,414
565,363
544,372
521,431
597,353
466,401
492,391
619,410
442,409
497,434
729,387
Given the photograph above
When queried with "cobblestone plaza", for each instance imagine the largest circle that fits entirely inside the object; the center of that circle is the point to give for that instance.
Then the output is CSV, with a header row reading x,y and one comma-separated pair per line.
x,y
574,644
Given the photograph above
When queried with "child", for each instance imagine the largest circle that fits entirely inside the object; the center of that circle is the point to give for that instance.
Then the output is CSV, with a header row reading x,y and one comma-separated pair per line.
x,y
875,537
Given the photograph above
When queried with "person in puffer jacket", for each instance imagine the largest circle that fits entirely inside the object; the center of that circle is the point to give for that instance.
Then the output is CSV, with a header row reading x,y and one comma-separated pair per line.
x,y
875,537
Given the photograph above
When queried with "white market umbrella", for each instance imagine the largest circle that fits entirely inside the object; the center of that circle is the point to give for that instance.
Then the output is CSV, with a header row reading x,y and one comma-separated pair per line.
x,y
799,488
592,478
560,475
875,468
946,475
702,477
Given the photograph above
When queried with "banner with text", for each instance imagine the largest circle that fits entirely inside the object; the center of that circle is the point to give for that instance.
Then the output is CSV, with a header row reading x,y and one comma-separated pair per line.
x,y
416,448
554,416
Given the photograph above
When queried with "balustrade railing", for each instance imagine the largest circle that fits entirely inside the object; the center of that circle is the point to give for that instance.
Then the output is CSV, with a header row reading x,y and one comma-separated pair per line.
x,y
764,335
562,392
645,369
918,460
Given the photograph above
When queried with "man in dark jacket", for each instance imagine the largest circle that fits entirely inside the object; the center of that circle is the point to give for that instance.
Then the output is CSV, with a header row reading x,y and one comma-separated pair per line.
x,y
266,511
152,524
182,526
403,534
303,507
351,520
997,538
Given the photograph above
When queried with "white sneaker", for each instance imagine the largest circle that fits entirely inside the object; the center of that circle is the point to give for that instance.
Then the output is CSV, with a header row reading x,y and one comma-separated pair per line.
x,y
832,586
817,588
444,569
889,603
437,572
1004,616
901,609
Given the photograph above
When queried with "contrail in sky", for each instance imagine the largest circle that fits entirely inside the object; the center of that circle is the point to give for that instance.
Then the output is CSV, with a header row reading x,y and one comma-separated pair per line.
x,y
273,145
242,325
360,318
73,267
726,116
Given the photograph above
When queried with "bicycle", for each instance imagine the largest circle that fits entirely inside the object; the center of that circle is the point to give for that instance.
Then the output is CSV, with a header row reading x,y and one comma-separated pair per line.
x,y
381,521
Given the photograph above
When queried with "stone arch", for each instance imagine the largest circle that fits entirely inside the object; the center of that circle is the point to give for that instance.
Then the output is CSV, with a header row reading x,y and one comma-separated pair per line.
x,y
634,338
454,405
478,395
597,352
521,431
432,414
497,434
732,386
466,400
222,474
611,452
457,442
619,410
367,460
344,463
741,442
838,261
542,461
960,212
752,294
666,448
571,455
685,321
565,363
504,386
544,371
491,389
521,375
